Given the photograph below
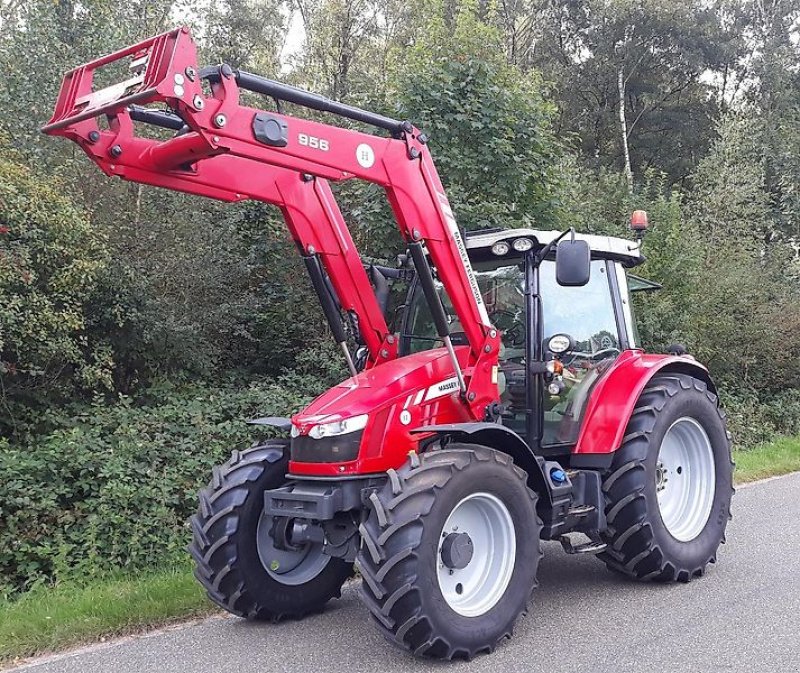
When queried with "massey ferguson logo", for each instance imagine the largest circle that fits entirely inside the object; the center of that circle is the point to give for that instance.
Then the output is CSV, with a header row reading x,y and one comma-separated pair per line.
x,y
442,388
462,251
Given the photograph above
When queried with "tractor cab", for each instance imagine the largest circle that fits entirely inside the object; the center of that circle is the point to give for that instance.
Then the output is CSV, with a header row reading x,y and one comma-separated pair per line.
x,y
579,330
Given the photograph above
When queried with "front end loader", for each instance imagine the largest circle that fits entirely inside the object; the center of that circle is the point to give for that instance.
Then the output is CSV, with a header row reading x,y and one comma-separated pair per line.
x,y
513,406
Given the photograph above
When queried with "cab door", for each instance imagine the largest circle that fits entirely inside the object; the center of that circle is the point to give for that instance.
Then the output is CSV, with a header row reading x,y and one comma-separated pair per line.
x,y
594,316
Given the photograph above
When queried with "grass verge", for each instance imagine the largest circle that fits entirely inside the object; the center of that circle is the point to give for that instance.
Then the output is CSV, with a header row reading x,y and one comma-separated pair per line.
x,y
52,618
767,460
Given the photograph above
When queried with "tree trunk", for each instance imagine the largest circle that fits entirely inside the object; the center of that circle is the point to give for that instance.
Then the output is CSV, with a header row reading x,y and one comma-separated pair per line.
x,y
623,128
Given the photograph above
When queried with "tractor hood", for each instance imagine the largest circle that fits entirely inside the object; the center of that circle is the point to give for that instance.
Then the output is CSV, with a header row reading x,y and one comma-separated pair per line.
x,y
378,409
373,389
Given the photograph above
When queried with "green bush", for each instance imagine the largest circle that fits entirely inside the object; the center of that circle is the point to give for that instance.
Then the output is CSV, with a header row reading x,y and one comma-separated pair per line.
x,y
50,262
112,486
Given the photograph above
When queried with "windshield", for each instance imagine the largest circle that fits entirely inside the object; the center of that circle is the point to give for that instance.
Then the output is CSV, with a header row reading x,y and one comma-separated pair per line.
x,y
585,313
500,284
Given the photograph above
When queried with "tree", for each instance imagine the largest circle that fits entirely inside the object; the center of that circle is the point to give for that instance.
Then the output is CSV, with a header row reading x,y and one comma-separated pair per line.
x,y
628,75
489,124
246,33
51,261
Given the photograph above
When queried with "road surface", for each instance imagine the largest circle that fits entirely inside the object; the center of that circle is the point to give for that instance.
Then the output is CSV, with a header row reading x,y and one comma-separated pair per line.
x,y
744,615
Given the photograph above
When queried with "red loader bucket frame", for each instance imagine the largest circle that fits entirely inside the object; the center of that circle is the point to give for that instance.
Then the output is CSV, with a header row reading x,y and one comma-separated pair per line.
x,y
227,151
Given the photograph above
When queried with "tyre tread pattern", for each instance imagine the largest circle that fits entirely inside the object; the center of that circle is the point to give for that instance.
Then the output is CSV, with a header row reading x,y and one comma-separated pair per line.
x,y
215,528
632,547
387,565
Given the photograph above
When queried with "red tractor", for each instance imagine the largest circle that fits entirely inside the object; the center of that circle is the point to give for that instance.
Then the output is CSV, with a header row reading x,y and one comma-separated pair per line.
x,y
514,405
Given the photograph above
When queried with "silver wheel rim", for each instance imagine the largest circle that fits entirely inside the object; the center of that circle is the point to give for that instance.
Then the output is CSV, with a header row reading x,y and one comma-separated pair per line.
x,y
475,589
685,479
288,567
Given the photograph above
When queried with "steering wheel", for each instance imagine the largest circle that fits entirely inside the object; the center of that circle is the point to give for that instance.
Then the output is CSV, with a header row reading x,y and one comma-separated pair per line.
x,y
513,330
592,357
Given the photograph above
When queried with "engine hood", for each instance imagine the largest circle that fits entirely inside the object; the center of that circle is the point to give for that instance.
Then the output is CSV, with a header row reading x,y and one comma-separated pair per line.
x,y
383,385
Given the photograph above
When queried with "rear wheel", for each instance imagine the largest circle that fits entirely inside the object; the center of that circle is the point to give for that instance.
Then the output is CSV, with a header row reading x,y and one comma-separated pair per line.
x,y
450,551
232,545
669,489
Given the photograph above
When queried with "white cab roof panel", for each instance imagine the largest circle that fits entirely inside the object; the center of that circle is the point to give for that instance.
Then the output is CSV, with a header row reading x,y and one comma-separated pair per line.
x,y
624,250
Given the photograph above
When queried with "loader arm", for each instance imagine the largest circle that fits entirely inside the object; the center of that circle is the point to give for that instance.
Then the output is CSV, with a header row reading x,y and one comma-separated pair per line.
x,y
308,206
231,152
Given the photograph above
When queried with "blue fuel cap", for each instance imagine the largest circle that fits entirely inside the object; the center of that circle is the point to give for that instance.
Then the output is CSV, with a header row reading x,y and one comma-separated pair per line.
x,y
558,476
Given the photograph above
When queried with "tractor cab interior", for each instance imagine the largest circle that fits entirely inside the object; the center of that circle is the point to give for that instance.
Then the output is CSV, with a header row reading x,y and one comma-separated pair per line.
x,y
587,314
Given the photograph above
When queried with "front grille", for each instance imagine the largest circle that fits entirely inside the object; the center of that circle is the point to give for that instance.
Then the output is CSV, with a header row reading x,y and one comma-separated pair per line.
x,y
338,449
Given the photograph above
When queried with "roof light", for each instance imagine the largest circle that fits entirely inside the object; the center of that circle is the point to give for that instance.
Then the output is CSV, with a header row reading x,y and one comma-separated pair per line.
x,y
500,248
639,220
523,244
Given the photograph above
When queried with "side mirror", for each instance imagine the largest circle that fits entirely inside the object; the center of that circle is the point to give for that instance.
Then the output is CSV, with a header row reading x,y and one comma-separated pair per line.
x,y
573,263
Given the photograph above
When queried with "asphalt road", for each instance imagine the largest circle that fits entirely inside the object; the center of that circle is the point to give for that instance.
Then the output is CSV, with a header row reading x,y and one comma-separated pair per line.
x,y
744,615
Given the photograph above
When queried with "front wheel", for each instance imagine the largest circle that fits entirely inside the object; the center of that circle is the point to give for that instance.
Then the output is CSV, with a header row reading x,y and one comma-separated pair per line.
x,y
236,560
450,551
668,492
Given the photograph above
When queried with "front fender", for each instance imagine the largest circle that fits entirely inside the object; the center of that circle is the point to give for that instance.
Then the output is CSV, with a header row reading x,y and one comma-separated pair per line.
x,y
502,439
614,396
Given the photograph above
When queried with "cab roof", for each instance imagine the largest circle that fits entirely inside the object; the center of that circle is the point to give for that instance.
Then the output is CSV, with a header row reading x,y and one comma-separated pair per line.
x,y
602,247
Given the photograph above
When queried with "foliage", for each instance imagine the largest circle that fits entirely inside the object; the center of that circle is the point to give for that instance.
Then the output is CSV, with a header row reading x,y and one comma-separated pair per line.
x,y
488,124
51,263
112,486
660,49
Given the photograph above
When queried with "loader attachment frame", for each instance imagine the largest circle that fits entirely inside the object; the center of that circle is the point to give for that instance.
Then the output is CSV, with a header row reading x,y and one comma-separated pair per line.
x,y
231,152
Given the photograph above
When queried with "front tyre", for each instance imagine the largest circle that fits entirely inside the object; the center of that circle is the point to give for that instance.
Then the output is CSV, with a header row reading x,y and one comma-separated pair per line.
x,y
450,551
236,561
668,491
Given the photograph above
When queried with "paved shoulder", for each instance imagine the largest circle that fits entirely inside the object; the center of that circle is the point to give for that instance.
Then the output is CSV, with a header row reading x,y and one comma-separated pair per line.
x,y
743,615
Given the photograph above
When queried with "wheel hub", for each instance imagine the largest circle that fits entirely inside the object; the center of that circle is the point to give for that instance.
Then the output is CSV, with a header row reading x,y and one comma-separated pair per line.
x,y
477,552
290,564
457,550
661,477
685,479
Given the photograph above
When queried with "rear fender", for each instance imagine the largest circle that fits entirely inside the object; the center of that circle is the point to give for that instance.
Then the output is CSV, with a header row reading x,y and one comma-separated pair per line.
x,y
614,396
501,439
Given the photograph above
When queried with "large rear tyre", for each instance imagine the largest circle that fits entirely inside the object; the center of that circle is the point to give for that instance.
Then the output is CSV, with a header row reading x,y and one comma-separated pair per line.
x,y
668,491
450,551
236,561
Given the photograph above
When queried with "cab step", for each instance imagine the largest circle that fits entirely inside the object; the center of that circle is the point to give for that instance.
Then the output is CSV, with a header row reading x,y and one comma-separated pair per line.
x,y
590,547
581,510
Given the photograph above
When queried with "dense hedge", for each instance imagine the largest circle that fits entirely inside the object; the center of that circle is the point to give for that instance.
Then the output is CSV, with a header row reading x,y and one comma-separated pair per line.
x,y
112,486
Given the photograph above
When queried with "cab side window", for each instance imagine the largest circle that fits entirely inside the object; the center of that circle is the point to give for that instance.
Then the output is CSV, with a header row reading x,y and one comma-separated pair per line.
x,y
587,315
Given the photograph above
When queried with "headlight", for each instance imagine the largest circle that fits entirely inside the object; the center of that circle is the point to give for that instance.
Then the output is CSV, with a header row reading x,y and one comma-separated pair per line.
x,y
500,248
560,344
522,244
342,427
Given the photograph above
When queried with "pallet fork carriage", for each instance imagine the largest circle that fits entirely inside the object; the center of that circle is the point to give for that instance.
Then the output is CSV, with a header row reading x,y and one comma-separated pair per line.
x,y
437,470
